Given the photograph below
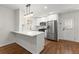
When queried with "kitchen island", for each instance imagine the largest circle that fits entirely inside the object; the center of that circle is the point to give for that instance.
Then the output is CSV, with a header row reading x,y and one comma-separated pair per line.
x,y
33,41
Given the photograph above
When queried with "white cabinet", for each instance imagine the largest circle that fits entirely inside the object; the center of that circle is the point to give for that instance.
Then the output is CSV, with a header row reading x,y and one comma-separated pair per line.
x,y
32,41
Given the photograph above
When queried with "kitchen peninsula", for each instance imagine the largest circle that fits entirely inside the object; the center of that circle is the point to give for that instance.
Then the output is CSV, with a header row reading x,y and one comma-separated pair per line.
x,y
33,41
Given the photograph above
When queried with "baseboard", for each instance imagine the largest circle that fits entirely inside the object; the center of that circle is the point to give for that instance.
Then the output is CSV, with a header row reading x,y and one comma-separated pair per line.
x,y
70,40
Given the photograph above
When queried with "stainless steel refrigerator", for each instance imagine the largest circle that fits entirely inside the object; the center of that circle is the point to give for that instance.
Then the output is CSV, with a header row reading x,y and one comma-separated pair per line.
x,y
52,30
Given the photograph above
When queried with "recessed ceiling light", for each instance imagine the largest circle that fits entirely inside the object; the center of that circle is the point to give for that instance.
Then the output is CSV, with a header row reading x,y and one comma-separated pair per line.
x,y
45,7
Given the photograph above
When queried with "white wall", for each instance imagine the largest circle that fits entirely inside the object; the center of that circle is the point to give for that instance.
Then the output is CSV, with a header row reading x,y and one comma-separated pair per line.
x,y
72,34
6,25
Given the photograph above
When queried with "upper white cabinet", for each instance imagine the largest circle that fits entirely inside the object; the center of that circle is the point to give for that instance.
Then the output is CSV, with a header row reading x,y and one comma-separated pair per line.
x,y
47,18
52,17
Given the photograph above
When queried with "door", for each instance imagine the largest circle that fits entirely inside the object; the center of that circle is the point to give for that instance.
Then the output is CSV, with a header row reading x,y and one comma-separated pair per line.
x,y
50,29
76,28
67,30
50,25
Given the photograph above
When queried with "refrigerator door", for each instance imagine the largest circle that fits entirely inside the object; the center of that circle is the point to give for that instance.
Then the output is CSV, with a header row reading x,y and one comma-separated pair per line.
x,y
50,36
52,30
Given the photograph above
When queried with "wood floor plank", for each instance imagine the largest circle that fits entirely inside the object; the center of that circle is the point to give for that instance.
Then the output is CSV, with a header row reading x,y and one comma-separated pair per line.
x,y
61,47
51,47
13,49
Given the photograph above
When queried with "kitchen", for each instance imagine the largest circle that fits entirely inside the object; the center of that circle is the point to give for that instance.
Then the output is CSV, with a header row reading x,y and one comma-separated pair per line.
x,y
36,25
39,28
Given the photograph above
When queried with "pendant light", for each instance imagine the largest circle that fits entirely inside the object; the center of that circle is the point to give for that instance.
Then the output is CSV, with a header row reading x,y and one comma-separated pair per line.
x,y
28,11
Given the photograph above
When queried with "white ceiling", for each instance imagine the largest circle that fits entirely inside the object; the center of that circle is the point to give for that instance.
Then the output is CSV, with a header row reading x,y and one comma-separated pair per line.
x,y
13,6
39,10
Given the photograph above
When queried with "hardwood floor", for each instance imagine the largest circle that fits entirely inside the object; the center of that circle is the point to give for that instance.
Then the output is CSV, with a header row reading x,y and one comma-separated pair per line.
x,y
51,47
61,47
13,49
